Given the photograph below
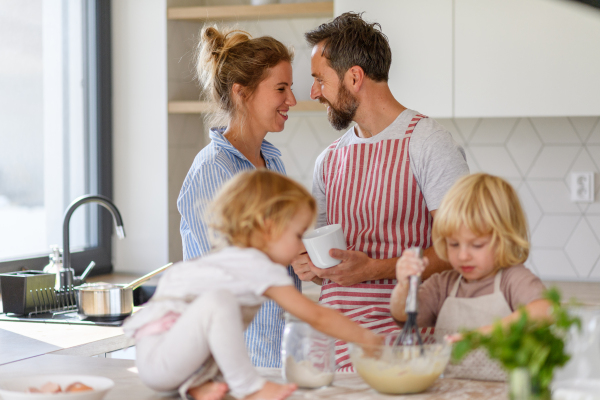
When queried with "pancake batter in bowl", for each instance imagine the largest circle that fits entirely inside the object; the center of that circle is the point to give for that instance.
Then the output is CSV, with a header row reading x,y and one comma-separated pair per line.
x,y
403,370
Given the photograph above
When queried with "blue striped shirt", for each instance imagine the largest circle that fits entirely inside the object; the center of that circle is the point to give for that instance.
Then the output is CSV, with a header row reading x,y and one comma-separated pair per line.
x,y
212,167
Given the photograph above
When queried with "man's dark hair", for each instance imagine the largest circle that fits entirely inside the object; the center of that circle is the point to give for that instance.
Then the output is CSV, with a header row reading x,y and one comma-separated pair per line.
x,y
349,41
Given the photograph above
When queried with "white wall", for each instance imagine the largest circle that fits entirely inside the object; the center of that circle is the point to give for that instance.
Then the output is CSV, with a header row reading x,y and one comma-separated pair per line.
x,y
140,133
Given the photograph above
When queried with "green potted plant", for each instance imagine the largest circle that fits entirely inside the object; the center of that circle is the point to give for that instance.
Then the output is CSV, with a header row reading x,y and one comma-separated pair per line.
x,y
529,350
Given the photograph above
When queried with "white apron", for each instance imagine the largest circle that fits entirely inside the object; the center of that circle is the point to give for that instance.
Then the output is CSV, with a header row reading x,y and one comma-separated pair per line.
x,y
472,313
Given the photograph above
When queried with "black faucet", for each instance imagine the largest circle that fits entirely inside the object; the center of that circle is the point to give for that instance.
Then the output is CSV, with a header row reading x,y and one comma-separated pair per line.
x,y
66,276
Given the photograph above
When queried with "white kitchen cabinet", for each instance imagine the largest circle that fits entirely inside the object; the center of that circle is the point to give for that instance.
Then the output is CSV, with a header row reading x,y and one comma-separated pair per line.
x,y
526,58
490,58
420,36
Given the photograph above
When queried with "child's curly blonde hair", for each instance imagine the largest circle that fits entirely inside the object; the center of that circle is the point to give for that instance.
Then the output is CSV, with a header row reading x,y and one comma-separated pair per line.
x,y
257,205
484,204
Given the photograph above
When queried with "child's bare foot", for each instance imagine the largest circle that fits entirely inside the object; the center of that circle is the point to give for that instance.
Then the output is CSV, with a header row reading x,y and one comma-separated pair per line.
x,y
209,391
273,391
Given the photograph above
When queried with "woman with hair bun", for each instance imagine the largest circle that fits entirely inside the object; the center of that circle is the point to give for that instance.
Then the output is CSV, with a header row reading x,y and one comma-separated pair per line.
x,y
250,80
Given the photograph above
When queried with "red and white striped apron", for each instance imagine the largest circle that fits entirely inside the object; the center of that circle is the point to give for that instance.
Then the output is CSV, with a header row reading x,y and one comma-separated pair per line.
x,y
371,191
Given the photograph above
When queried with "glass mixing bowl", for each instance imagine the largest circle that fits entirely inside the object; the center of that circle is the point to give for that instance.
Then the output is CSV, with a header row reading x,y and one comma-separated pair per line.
x,y
400,370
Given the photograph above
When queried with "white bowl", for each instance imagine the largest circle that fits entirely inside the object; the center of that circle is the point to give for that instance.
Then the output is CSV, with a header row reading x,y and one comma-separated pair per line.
x,y
16,388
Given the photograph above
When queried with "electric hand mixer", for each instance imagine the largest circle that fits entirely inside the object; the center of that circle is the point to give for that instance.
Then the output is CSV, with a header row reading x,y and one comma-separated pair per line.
x,y
409,336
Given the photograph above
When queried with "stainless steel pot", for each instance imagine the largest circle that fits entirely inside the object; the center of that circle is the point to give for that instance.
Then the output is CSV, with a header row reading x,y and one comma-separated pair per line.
x,y
108,301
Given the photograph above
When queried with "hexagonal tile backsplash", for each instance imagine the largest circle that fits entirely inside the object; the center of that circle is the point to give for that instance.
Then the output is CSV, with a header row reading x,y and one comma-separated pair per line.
x,y
565,236
535,154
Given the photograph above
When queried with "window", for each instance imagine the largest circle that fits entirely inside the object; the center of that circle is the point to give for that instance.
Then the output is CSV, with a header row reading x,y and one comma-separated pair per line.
x,y
55,130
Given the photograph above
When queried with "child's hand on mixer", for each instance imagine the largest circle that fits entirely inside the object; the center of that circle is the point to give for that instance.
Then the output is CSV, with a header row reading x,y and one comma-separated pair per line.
x,y
409,264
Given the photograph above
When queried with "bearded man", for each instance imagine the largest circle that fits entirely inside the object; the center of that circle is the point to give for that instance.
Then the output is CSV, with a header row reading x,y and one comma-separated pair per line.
x,y
382,180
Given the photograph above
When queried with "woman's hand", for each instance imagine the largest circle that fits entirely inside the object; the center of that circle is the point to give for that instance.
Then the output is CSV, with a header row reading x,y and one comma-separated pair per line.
x,y
409,264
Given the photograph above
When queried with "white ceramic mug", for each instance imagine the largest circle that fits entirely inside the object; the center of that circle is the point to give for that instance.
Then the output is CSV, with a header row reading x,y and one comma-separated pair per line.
x,y
319,241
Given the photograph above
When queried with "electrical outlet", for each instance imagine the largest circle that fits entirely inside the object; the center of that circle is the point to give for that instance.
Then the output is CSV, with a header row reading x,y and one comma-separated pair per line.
x,y
582,187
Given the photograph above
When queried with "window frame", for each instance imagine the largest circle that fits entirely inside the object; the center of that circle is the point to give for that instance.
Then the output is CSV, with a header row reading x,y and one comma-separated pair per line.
x,y
98,37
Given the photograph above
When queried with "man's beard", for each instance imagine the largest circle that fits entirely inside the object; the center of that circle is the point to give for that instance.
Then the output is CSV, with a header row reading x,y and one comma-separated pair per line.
x,y
343,113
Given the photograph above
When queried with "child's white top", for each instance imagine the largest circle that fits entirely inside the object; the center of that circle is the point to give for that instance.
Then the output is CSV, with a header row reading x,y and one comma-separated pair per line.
x,y
245,272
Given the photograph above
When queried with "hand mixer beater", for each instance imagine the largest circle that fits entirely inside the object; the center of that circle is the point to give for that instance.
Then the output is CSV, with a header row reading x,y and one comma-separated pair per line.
x,y
409,336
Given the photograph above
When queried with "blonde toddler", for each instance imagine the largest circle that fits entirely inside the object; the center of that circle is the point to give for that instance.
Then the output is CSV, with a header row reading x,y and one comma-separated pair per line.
x,y
190,335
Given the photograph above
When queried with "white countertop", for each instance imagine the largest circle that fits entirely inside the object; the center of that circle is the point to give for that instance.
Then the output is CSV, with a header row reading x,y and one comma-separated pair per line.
x,y
346,386
21,340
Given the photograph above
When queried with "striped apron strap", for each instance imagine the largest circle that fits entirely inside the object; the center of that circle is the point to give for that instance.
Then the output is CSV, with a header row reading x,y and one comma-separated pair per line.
x,y
371,191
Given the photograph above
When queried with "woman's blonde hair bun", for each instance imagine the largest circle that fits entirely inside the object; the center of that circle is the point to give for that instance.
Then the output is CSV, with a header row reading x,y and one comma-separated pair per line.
x,y
228,56
214,46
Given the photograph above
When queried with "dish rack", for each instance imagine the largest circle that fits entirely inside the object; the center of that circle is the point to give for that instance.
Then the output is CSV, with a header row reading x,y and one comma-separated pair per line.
x,y
33,292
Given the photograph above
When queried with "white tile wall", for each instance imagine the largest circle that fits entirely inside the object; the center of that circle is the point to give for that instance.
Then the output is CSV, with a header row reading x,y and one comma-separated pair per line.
x,y
582,248
535,154
493,131
495,160
522,144
550,196
553,161
533,211
310,134
555,130
531,153
553,264
594,137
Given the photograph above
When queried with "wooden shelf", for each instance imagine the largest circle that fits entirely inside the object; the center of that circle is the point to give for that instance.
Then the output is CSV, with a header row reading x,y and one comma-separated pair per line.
x,y
267,11
200,107
189,107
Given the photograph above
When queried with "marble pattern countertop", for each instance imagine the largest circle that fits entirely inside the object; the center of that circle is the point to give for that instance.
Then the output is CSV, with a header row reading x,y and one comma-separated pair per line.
x,y
350,386
346,386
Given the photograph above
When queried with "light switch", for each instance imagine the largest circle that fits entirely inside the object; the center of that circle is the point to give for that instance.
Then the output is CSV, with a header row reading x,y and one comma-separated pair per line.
x,y
582,187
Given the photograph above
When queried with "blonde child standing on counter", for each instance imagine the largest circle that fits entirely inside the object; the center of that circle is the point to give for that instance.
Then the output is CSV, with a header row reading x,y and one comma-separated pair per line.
x,y
481,230
190,335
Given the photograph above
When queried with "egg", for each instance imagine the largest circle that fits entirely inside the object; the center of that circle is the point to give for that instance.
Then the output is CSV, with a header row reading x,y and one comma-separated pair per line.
x,y
78,387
